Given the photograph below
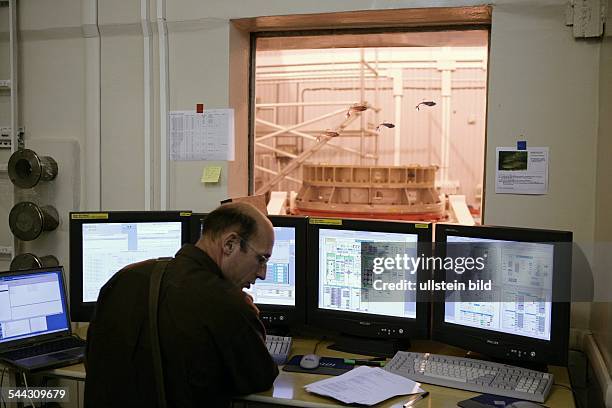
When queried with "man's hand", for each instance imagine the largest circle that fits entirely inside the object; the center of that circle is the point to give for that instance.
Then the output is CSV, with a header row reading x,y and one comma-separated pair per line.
x,y
249,300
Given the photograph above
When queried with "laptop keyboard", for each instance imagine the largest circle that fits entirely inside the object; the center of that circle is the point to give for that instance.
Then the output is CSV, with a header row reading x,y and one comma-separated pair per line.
x,y
44,348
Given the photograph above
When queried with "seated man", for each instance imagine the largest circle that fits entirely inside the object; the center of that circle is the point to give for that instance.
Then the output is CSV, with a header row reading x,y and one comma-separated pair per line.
x,y
211,339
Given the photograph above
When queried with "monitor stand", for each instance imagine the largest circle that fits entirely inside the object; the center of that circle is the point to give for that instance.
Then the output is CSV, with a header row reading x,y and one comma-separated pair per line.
x,y
278,331
523,364
369,347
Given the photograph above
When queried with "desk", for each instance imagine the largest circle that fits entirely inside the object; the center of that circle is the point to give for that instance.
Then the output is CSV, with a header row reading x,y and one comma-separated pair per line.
x,y
288,389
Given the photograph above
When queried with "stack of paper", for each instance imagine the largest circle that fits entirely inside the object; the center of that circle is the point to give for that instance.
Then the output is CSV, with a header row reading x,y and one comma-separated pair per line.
x,y
364,385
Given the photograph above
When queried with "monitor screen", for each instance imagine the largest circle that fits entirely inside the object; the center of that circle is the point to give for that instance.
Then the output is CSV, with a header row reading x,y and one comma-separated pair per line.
x,y
523,315
32,304
101,244
353,299
340,268
108,247
281,297
524,273
279,286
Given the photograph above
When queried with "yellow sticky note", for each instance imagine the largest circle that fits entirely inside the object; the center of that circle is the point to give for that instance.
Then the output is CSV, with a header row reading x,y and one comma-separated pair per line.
x,y
211,174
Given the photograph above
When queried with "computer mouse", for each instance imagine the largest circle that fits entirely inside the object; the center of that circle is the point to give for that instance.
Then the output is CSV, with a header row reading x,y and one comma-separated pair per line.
x,y
309,361
524,404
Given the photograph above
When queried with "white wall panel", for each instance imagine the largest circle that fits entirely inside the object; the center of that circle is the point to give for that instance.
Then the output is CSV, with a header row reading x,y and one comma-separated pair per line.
x,y
198,74
35,15
122,140
537,90
52,94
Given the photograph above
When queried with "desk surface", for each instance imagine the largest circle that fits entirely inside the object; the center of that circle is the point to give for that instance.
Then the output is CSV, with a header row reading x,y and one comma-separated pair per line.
x,y
288,388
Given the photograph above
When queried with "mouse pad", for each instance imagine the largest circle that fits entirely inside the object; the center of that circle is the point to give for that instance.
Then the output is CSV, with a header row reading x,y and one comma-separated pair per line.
x,y
327,366
487,401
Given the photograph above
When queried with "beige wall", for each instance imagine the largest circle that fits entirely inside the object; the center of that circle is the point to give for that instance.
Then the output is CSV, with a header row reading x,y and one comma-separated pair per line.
x,y
601,317
542,84
122,152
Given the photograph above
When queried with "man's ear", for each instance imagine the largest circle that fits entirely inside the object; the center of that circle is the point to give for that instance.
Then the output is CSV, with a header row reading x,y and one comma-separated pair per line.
x,y
230,241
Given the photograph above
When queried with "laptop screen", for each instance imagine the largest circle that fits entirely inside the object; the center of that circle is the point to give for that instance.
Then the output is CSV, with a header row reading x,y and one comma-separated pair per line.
x,y
32,304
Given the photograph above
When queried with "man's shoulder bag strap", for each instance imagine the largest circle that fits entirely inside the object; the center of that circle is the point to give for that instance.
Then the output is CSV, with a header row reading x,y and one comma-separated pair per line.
x,y
154,286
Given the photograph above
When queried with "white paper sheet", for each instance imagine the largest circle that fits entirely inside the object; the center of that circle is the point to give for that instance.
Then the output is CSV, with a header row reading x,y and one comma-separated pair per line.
x,y
202,136
521,171
364,385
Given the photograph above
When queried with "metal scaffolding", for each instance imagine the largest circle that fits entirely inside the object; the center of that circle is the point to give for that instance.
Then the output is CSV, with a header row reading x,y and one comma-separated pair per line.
x,y
288,161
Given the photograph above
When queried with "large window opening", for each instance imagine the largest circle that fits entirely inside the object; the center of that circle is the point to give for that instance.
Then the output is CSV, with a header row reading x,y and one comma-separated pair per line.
x,y
371,124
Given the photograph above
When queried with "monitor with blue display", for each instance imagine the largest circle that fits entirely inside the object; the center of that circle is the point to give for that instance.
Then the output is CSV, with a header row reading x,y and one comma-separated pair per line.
x,y
33,304
281,295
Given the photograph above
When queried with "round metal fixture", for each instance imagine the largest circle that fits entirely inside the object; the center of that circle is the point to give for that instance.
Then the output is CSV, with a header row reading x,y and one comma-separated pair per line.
x,y
31,261
26,168
27,220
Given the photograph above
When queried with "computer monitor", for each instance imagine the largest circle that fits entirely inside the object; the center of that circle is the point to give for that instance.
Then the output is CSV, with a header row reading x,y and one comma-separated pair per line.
x,y
195,226
344,295
101,243
523,318
281,296
33,304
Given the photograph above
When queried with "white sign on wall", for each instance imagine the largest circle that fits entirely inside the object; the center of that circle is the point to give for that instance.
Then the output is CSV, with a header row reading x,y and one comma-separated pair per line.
x,y
521,171
202,136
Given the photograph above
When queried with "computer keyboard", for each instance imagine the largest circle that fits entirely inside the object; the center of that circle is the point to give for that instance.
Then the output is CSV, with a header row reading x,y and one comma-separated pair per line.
x,y
44,348
279,348
472,375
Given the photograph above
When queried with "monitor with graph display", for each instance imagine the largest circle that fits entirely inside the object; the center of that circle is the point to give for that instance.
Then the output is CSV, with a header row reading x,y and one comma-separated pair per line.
x,y
372,312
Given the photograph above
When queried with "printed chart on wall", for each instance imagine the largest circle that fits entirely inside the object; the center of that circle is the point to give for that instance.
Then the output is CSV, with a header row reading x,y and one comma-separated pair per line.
x,y
202,136
521,171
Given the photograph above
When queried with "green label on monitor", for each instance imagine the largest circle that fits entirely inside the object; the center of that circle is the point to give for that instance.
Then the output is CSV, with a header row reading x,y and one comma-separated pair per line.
x,y
325,221
185,214
421,226
90,216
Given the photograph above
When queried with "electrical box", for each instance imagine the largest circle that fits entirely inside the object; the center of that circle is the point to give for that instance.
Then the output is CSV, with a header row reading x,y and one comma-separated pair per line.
x,y
587,17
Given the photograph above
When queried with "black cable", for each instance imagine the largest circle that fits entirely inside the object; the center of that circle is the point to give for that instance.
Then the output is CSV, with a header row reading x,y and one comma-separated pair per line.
x,y
45,382
25,380
2,382
563,386
318,343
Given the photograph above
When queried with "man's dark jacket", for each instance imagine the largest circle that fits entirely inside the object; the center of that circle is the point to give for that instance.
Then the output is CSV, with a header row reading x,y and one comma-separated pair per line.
x,y
212,342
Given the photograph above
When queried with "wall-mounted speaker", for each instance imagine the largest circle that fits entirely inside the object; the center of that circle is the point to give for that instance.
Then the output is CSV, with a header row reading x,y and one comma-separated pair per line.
x,y
31,261
28,220
26,168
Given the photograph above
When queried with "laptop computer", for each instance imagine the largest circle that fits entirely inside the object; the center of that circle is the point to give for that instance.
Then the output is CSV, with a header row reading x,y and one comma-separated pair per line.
x,y
35,331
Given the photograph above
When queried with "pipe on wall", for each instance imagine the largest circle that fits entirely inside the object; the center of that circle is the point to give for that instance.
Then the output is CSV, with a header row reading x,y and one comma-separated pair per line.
x,y
162,35
145,18
14,70
93,174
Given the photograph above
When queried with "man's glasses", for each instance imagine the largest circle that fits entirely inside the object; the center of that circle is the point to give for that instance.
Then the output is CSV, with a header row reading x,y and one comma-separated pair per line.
x,y
261,258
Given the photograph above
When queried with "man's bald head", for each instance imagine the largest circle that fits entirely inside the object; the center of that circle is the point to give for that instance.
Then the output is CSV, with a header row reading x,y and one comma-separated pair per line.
x,y
239,239
242,218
